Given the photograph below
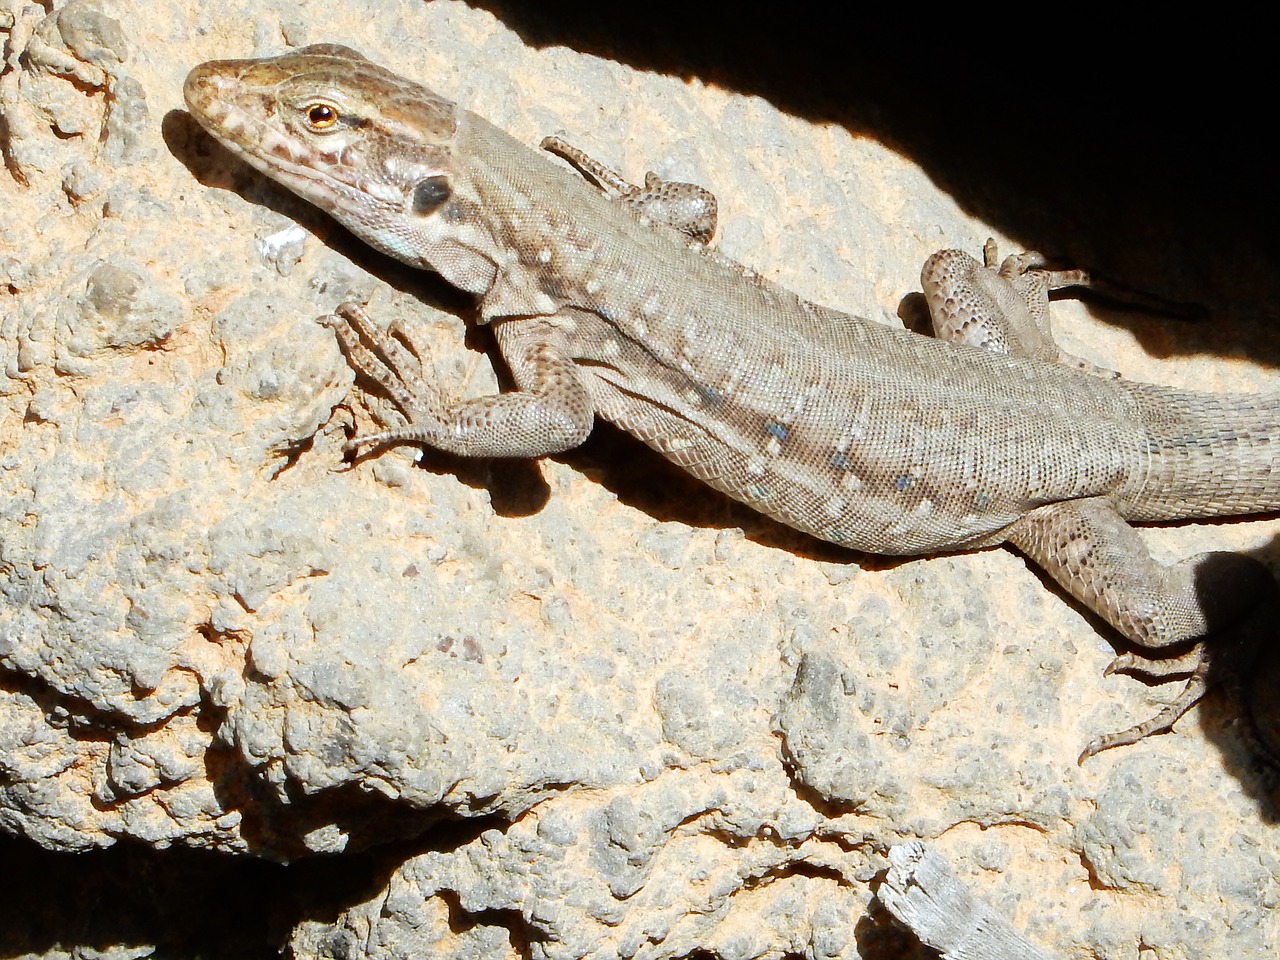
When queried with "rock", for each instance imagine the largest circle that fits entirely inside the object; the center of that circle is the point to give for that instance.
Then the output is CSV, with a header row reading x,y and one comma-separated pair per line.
x,y
584,707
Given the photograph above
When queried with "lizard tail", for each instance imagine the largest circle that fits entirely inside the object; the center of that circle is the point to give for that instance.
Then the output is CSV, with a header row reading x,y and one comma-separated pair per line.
x,y
1210,455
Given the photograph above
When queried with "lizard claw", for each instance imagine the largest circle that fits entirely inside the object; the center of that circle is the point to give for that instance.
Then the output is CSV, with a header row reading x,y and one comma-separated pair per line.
x,y
1121,664
1162,722
1158,668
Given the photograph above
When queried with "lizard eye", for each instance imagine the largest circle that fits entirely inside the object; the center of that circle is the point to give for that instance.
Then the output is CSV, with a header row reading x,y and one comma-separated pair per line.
x,y
321,116
429,194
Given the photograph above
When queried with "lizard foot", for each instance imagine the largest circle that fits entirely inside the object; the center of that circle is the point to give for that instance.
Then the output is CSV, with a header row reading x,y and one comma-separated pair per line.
x,y
549,412
381,357
1242,658
1158,668
1162,722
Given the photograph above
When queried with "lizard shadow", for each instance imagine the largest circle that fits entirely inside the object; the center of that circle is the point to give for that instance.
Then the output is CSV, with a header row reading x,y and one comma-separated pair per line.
x,y
1243,719
645,481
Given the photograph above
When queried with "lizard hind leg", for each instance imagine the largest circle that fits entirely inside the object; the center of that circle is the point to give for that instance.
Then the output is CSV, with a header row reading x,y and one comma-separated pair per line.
x,y
1003,309
1088,548
1003,306
994,309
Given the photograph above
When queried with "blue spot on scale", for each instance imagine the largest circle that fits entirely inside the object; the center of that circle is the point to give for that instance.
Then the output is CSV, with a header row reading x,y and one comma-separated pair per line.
x,y
708,394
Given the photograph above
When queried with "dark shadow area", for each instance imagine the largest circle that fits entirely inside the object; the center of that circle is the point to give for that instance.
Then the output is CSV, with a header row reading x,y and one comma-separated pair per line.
x,y
521,933
1115,151
185,903
880,936
364,819
188,903
1243,718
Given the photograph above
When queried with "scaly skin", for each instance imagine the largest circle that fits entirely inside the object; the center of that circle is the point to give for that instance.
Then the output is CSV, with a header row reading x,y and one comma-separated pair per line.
x,y
873,438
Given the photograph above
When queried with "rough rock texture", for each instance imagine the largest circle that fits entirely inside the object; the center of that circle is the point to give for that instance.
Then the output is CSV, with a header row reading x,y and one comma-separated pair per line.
x,y
583,707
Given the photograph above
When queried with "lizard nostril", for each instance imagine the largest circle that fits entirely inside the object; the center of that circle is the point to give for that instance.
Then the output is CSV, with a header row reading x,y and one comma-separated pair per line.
x,y
209,83
198,87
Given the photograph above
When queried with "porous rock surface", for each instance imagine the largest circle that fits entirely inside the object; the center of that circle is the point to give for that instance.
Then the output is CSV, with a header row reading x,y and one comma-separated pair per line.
x,y
583,707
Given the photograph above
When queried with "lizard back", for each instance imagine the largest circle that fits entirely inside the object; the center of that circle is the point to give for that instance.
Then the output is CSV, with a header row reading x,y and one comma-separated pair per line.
x,y
867,436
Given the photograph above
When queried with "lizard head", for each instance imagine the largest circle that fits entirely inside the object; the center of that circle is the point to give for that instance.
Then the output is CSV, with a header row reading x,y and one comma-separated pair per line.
x,y
372,149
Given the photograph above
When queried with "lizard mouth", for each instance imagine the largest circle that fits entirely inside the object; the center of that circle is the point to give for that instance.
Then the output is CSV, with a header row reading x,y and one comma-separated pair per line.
x,y
264,111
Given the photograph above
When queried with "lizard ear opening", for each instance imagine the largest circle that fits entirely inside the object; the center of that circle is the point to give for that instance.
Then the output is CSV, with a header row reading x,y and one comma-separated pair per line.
x,y
430,194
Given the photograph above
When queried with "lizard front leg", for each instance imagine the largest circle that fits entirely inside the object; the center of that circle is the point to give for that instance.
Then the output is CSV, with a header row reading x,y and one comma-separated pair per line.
x,y
1100,560
550,410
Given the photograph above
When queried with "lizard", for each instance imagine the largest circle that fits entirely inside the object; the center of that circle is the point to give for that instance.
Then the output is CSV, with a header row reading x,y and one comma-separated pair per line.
x,y
606,300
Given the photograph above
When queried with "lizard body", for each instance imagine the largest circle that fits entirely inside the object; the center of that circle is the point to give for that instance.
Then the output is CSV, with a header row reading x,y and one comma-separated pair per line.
x,y
874,438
